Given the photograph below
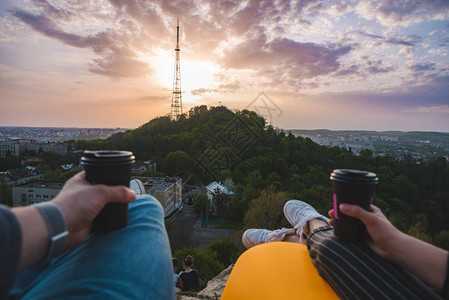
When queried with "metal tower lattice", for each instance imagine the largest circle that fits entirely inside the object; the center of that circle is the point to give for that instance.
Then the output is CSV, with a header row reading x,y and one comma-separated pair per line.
x,y
176,99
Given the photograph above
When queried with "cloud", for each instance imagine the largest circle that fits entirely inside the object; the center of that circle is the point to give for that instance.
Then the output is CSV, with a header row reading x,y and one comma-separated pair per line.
x,y
426,66
47,27
409,41
51,10
154,98
118,67
222,88
375,69
404,12
440,109
257,37
4,37
439,52
199,92
285,59
444,42
350,70
374,66
116,59
230,87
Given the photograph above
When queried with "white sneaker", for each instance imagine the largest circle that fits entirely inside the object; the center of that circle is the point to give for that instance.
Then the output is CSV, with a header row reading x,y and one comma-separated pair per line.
x,y
137,186
298,213
253,237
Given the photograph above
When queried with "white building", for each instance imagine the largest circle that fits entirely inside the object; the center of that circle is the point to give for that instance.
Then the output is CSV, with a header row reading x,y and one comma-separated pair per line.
x,y
168,191
211,188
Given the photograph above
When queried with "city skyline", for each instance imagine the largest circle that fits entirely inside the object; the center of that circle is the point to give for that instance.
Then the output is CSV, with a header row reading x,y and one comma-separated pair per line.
x,y
339,65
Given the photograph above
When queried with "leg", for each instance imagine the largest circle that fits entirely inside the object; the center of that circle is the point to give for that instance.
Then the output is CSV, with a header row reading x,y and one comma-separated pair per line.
x,y
355,272
253,237
300,215
311,226
130,263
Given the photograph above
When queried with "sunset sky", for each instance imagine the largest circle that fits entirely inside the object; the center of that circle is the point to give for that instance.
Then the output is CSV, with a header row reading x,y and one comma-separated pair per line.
x,y
362,65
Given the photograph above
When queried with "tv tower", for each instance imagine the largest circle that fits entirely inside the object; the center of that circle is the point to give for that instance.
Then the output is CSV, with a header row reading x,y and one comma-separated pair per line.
x,y
176,99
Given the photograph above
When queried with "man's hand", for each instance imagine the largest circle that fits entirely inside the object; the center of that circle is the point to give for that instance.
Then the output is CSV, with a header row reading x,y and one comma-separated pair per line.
x,y
81,202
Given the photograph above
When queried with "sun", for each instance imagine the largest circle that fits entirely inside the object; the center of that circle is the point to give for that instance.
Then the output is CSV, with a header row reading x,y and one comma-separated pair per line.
x,y
194,74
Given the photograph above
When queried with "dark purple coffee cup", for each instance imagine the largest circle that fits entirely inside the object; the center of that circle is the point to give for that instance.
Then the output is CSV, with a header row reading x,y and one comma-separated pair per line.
x,y
351,187
109,167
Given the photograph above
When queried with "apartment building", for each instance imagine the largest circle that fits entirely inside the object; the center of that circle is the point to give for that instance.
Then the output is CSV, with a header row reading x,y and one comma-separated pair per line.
x,y
35,192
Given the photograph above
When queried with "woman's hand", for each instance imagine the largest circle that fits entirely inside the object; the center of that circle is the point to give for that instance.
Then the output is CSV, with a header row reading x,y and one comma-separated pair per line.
x,y
424,260
383,234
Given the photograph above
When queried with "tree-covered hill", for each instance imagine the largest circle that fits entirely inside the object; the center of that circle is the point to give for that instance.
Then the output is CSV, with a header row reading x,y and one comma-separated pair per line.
x,y
216,143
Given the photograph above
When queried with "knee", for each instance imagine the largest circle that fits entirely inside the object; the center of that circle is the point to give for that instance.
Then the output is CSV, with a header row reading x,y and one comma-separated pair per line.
x,y
325,252
149,204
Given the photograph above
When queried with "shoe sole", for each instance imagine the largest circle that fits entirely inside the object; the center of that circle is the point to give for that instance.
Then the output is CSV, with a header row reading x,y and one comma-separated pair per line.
x,y
247,244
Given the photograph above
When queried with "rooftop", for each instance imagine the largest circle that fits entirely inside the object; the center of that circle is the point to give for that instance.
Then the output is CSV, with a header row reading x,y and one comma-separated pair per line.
x,y
43,184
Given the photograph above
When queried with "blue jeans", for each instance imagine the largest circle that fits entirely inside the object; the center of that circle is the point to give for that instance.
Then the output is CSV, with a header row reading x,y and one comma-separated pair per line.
x,y
131,263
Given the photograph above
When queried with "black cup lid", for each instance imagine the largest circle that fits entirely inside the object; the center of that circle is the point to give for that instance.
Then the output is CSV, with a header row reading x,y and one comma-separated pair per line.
x,y
107,157
354,176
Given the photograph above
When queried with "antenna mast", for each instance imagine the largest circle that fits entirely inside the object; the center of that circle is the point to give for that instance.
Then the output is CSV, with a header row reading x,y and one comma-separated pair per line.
x,y
176,99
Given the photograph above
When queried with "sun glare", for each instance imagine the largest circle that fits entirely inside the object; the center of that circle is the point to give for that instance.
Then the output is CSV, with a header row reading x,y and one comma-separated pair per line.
x,y
194,74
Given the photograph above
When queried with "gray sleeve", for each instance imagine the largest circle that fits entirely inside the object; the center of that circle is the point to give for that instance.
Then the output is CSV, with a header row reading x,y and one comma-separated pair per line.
x,y
10,249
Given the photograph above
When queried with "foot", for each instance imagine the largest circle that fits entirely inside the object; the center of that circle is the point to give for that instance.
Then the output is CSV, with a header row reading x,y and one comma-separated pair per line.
x,y
253,237
137,186
298,213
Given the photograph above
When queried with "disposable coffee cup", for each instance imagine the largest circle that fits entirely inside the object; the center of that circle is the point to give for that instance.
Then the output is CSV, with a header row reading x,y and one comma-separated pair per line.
x,y
351,187
111,168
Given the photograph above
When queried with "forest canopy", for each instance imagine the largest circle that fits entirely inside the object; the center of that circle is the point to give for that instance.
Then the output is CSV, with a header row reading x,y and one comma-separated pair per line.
x,y
261,160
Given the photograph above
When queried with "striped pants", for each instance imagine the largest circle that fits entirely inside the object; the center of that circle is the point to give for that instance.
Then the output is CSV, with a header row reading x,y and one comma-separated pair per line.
x,y
354,271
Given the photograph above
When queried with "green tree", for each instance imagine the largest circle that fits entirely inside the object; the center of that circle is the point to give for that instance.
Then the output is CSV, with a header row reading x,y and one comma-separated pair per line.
x,y
221,203
229,184
266,211
200,203
51,159
274,180
441,239
5,194
150,173
226,250
225,174
319,197
419,230
8,163
58,175
177,162
255,179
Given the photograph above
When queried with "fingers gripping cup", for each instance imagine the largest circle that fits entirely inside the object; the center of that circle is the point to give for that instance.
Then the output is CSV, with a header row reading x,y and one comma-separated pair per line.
x,y
351,187
109,168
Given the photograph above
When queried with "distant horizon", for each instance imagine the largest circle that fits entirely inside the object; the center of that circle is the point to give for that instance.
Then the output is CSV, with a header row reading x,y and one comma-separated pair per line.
x,y
285,129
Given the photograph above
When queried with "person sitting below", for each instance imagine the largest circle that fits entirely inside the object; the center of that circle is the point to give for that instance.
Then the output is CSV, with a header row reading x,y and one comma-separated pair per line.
x,y
177,280
190,277
390,265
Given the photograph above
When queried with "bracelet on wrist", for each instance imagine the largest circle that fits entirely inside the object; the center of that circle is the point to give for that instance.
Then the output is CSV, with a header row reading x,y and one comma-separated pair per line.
x,y
54,218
